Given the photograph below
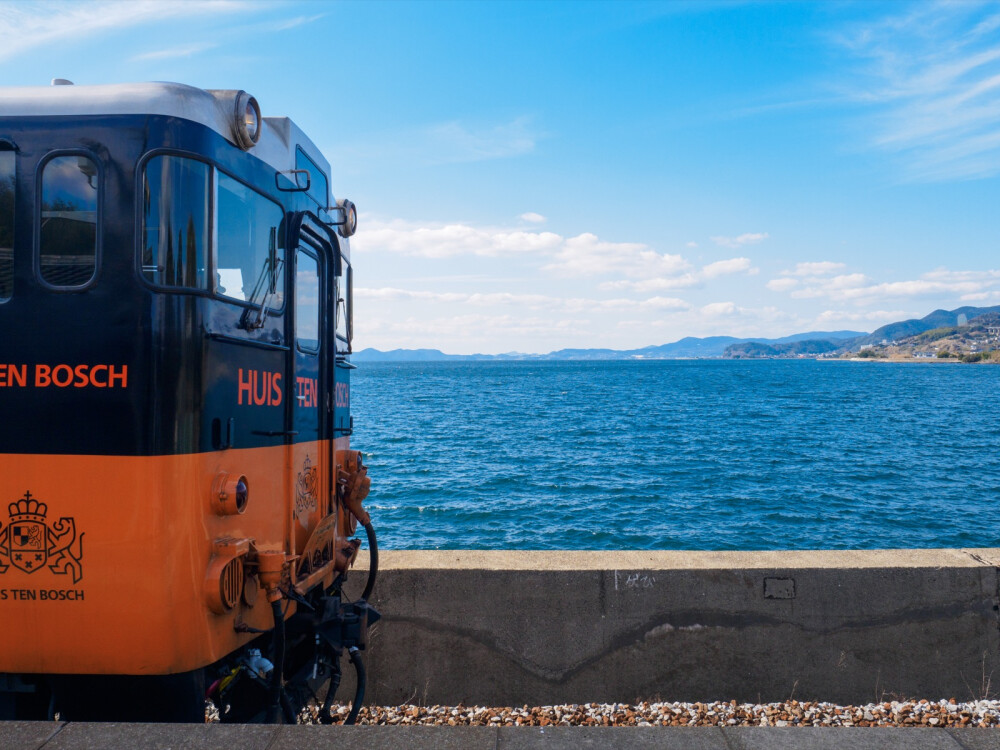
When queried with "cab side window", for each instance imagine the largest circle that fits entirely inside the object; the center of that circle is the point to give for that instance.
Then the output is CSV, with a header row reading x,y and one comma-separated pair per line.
x,y
249,256
345,307
67,243
175,222
6,223
306,302
319,189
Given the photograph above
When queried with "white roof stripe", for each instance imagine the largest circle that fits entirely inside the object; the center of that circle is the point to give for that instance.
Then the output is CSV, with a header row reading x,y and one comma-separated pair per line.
x,y
214,109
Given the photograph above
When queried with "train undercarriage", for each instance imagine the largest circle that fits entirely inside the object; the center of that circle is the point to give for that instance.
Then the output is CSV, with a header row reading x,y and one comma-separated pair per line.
x,y
272,679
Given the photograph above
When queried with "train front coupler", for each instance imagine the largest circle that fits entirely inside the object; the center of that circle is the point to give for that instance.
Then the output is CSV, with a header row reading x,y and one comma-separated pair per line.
x,y
341,624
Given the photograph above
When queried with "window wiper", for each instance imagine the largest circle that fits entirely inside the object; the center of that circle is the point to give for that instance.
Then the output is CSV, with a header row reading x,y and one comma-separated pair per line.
x,y
264,288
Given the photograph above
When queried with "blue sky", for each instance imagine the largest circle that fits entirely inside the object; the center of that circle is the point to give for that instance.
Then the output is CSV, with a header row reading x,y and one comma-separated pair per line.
x,y
533,176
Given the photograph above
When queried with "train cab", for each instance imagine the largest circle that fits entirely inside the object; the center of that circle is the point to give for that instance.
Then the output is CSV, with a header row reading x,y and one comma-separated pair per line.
x,y
179,491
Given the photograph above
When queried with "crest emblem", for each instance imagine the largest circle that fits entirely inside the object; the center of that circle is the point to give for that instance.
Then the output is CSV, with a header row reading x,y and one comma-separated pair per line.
x,y
30,543
306,488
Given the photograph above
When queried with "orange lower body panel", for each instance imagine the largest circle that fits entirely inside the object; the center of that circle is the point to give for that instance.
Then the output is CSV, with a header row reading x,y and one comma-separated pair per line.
x,y
103,559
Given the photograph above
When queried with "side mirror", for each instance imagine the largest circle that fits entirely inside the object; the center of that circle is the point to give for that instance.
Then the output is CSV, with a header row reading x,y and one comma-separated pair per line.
x,y
295,176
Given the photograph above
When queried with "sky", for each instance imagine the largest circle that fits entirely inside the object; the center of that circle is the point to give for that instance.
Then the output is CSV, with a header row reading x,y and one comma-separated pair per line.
x,y
533,176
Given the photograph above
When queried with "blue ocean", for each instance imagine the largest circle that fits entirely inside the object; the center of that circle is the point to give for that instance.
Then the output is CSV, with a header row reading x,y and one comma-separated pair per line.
x,y
680,454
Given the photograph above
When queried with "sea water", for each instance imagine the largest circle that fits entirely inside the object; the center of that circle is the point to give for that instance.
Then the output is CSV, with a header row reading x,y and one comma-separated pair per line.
x,y
680,454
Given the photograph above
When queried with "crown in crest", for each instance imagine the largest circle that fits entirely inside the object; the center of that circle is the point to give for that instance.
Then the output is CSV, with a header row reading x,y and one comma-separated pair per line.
x,y
27,509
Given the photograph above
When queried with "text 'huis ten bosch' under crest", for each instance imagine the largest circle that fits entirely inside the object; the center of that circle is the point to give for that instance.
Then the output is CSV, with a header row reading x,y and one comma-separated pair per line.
x,y
29,543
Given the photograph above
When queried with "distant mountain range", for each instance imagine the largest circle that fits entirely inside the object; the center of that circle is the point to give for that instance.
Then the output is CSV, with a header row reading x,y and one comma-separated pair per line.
x,y
799,344
937,319
712,346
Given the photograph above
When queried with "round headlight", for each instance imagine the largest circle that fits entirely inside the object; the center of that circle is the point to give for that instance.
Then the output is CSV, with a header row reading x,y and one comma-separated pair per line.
x,y
350,223
248,122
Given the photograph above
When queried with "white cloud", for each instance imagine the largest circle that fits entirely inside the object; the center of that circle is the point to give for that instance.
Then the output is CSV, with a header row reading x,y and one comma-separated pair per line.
x,y
819,268
782,285
470,332
875,317
532,218
666,303
993,296
587,255
451,240
720,309
630,266
846,281
946,276
687,279
658,284
914,288
750,238
725,267
859,288
520,301
583,255
691,244
37,24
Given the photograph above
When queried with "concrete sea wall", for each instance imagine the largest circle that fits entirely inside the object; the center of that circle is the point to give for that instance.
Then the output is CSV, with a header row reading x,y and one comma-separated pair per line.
x,y
509,628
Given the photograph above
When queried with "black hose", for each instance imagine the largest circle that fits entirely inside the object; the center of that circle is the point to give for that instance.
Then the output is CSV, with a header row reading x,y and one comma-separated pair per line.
x,y
331,692
372,564
359,694
288,709
278,659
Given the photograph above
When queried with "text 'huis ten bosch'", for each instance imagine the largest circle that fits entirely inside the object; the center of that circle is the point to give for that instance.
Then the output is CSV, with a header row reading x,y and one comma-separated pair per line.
x,y
264,388
31,542
63,376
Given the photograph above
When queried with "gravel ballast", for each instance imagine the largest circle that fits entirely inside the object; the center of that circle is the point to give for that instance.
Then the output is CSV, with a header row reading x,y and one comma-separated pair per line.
x,y
914,713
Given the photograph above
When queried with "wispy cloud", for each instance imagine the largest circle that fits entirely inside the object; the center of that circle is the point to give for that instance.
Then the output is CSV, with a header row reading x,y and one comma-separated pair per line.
x,y
460,142
293,23
29,25
932,76
182,51
450,142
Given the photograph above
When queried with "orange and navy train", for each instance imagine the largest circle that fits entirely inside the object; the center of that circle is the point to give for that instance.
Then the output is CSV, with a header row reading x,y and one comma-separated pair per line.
x,y
178,494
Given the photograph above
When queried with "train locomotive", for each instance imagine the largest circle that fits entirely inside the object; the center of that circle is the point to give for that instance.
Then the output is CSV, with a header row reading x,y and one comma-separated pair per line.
x,y
179,499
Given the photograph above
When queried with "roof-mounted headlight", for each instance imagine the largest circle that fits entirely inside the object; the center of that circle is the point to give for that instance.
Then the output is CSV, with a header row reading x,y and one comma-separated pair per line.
x,y
348,223
247,123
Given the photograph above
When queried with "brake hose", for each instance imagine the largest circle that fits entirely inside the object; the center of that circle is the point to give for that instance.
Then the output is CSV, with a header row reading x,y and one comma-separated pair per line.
x,y
359,694
274,710
373,560
324,715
